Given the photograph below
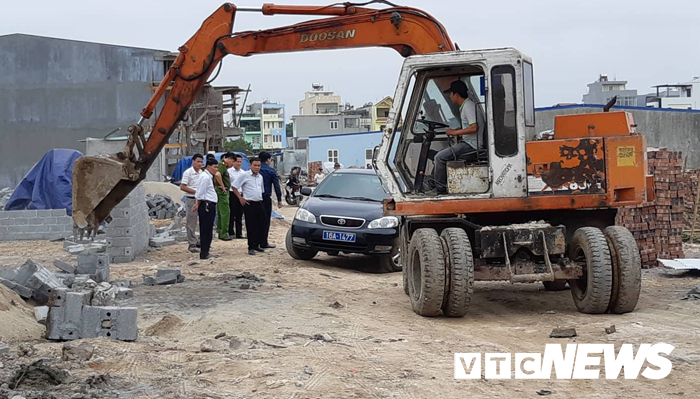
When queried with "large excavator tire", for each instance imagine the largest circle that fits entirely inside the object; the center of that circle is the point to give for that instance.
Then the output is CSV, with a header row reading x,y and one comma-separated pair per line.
x,y
426,283
459,286
627,269
592,291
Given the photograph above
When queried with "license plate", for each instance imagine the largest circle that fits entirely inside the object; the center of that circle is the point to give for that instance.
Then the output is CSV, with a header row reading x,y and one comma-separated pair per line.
x,y
336,236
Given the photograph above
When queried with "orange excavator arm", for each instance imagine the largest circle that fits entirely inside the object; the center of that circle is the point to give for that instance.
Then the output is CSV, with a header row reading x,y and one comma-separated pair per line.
x,y
101,182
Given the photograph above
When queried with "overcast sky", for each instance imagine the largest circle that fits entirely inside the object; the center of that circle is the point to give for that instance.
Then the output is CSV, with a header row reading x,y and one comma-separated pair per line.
x,y
645,42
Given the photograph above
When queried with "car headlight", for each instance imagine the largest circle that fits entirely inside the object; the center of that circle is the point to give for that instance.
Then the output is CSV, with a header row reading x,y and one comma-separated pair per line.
x,y
305,216
386,222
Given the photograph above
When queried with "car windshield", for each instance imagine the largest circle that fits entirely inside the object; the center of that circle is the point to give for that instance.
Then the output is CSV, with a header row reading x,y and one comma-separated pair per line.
x,y
363,187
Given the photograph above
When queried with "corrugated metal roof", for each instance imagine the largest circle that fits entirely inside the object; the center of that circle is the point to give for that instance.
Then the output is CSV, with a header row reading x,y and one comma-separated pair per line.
x,y
681,264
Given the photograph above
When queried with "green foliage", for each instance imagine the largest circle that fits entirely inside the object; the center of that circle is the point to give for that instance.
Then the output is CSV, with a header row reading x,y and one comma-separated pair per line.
x,y
239,145
290,130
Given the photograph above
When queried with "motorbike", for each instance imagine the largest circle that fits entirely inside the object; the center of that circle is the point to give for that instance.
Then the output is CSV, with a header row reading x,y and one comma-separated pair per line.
x,y
292,193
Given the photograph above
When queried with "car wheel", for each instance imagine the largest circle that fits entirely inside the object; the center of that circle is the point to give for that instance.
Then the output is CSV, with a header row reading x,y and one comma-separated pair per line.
x,y
297,253
333,253
390,263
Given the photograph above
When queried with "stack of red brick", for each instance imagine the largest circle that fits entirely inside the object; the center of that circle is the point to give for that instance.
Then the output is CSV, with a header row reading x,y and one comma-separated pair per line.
x,y
658,225
691,177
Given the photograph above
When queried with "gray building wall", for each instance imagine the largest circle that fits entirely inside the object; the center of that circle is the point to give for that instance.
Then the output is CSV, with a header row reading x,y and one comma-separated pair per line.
x,y
55,92
319,125
677,130
597,95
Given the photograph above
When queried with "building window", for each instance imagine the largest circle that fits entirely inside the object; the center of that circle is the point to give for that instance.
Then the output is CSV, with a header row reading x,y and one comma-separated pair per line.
x,y
256,140
369,156
334,125
333,156
280,125
352,123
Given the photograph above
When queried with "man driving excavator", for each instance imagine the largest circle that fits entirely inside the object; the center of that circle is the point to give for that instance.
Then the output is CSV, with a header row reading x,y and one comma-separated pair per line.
x,y
465,137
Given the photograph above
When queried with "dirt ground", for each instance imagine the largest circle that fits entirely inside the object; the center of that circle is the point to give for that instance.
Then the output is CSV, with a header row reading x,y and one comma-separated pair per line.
x,y
285,340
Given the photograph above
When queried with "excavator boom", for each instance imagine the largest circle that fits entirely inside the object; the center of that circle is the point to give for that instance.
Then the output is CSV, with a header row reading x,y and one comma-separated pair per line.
x,y
101,182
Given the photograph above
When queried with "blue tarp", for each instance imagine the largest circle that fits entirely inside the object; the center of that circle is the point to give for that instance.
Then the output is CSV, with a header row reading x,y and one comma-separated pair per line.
x,y
49,185
186,162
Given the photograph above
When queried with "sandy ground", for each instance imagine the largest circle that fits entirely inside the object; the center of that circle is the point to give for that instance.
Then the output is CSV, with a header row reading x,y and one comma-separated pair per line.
x,y
284,340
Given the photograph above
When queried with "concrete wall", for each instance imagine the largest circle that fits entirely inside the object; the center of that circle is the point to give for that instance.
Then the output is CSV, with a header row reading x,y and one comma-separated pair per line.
x,y
116,144
351,147
677,130
48,224
55,92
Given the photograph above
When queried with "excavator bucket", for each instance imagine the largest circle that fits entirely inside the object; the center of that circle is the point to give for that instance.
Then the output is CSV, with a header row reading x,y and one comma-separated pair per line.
x,y
99,184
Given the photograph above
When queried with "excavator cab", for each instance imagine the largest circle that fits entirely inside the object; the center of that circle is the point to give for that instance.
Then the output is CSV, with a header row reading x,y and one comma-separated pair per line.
x,y
500,88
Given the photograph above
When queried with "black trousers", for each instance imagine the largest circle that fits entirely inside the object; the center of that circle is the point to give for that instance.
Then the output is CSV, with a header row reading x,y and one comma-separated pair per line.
x,y
235,226
254,223
207,214
267,204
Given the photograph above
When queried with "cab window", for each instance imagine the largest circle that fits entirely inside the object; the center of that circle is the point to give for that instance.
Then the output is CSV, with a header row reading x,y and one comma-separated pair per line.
x,y
504,110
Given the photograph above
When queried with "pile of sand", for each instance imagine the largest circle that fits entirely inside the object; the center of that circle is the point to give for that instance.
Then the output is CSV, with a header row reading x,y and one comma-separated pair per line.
x,y
17,318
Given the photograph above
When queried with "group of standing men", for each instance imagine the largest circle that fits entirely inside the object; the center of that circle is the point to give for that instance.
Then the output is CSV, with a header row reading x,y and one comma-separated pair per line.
x,y
224,192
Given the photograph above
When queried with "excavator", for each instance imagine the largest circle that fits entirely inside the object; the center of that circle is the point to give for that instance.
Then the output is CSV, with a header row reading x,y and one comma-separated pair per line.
x,y
524,207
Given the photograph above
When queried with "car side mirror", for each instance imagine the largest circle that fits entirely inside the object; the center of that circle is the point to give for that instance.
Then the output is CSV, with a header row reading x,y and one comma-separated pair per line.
x,y
305,191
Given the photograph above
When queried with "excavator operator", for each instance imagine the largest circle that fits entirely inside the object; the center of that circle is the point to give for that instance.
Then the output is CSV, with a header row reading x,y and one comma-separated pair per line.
x,y
466,137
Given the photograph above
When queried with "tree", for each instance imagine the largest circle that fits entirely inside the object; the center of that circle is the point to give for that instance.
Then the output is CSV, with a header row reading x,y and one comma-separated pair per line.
x,y
290,130
240,145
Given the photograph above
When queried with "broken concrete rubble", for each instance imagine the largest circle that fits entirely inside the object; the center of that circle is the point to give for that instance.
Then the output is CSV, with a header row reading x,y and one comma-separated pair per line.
x,y
164,277
162,206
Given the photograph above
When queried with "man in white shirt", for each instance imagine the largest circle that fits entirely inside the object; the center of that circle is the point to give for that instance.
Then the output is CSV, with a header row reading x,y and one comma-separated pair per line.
x,y
206,206
249,190
236,220
466,136
188,184
319,176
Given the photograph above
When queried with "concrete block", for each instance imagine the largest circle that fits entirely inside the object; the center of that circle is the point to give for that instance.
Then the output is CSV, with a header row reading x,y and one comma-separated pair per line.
x,y
21,290
65,322
180,279
66,278
125,293
149,280
66,267
41,313
163,272
166,279
57,298
102,272
122,259
58,212
87,263
7,222
42,283
110,322
42,213
28,213
22,221
4,215
161,241
8,274
25,271
121,223
122,283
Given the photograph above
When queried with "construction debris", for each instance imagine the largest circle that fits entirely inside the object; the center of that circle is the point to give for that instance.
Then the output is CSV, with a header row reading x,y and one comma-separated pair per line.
x,y
681,264
164,277
161,206
693,294
610,330
563,333
74,351
5,195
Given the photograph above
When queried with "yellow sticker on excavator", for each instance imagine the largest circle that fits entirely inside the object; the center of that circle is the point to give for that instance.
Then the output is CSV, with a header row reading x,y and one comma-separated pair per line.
x,y
626,156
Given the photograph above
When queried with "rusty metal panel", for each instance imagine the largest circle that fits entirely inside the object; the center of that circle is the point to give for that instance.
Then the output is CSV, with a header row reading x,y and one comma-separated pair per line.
x,y
462,179
563,167
599,124
490,239
626,169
